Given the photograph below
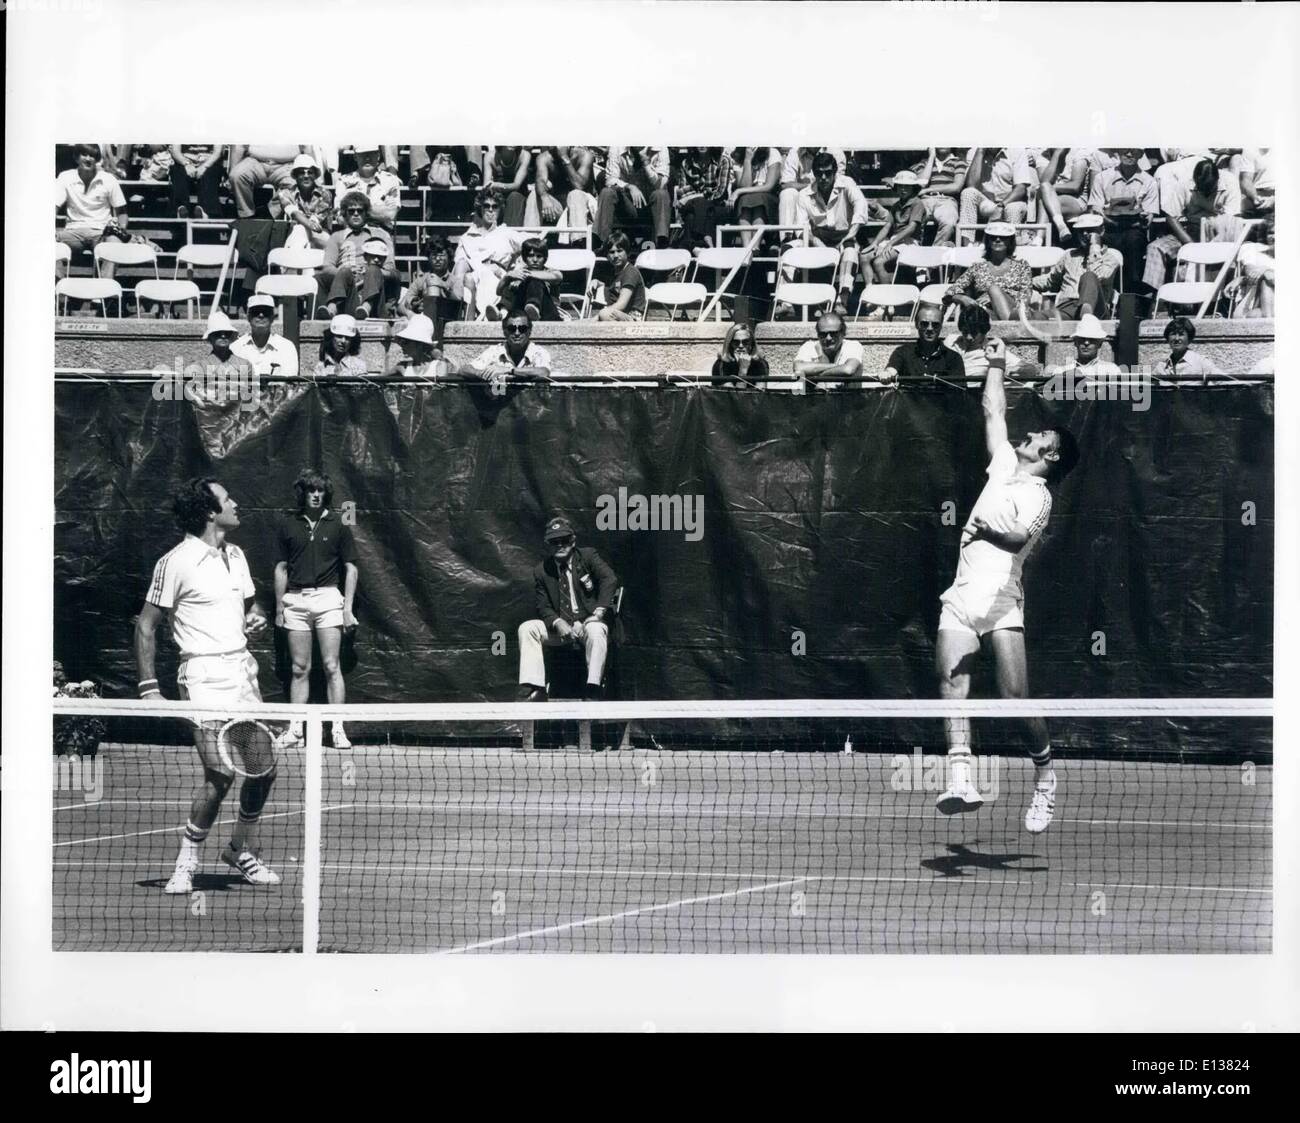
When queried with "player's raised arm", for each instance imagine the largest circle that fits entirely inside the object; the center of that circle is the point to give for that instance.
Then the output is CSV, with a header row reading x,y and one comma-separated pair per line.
x,y
995,396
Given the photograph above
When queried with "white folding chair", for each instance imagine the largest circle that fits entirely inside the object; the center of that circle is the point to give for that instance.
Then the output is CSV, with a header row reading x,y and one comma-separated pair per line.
x,y
203,256
963,257
1196,258
169,293
1182,292
575,261
663,261
62,253
125,253
803,295
933,294
722,261
674,295
299,260
804,259
99,289
284,285
888,297
922,257
1040,258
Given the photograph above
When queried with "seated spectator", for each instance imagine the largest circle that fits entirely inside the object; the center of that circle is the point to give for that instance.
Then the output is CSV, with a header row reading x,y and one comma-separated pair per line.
x,y
196,164
1084,278
968,342
998,184
430,292
796,174
309,207
516,352
94,204
832,211
1063,184
483,257
1254,292
625,293
443,167
268,353
636,190
530,287
1127,198
340,349
754,198
119,160
830,356
382,188
1254,168
999,281
359,275
1088,337
220,334
740,364
700,194
421,357
155,164
566,176
1182,363
927,357
1209,198
508,169
942,176
545,201
904,222
254,165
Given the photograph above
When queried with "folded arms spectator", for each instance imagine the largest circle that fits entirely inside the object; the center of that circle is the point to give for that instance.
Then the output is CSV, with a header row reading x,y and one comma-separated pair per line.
x,y
829,357
927,357
516,352
306,205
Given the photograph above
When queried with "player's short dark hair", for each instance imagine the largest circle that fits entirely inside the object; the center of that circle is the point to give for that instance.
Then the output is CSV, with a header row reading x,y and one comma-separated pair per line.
x,y
824,161
535,245
973,320
309,478
1067,453
90,150
194,502
1180,323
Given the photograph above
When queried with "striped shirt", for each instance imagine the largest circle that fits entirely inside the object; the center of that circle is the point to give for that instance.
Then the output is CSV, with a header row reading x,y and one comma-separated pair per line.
x,y
204,594
1024,500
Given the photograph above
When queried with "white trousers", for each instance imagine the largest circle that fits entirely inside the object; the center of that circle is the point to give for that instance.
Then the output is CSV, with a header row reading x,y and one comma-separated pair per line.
x,y
533,637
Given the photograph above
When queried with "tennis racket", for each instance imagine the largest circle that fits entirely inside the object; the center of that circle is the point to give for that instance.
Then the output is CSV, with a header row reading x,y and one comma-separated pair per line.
x,y
246,747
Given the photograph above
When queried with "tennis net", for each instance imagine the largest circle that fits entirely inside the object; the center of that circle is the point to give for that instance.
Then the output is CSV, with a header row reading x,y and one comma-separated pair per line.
x,y
650,827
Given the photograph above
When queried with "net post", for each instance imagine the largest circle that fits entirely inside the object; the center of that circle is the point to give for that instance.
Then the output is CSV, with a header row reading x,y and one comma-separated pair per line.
x,y
311,841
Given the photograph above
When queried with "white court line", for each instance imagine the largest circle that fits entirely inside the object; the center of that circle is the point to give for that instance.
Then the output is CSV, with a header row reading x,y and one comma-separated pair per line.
x,y
174,830
88,803
610,918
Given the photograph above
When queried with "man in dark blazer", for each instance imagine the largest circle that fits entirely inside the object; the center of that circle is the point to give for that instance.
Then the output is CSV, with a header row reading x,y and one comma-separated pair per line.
x,y
575,590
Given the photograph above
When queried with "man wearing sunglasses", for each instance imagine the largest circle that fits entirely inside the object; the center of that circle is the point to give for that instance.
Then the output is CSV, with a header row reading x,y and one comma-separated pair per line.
x,y
354,279
575,590
516,352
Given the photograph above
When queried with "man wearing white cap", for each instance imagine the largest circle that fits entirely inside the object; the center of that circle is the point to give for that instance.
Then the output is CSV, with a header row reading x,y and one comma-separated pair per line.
x,y
309,207
267,352
903,226
1084,278
1088,363
359,273
985,603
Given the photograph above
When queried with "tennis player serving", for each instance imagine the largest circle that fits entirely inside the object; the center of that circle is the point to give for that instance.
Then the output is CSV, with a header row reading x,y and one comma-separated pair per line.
x,y
205,587
985,601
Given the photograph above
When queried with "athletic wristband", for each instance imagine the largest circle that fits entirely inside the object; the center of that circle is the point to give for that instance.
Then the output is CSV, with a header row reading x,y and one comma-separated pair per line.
x,y
148,688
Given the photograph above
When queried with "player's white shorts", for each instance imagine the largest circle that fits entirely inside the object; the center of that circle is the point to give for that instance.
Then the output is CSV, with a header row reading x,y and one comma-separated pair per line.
x,y
979,610
219,680
307,609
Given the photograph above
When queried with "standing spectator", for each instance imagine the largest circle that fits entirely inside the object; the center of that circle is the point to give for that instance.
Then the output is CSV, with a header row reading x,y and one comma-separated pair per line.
x,y
796,174
94,204
196,164
758,185
832,211
740,364
515,352
268,353
507,171
484,255
625,294
830,356
420,356
904,222
942,176
430,292
1182,363
999,281
968,342
636,190
381,187
530,287
340,349
927,357
700,193
1127,198
1065,176
254,165
998,184
1210,197
1084,278
306,205
359,275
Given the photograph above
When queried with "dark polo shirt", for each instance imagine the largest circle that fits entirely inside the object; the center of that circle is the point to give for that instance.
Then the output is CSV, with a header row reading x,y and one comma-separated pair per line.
x,y
909,362
315,556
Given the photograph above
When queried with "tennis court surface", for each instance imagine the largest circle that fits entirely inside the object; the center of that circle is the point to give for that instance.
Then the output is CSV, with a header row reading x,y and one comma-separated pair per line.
x,y
664,846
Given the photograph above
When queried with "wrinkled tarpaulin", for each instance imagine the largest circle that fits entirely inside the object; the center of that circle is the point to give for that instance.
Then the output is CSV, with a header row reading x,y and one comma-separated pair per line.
x,y
823,519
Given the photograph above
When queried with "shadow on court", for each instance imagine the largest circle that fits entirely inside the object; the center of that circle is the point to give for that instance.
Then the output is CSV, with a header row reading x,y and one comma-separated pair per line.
x,y
961,858
205,883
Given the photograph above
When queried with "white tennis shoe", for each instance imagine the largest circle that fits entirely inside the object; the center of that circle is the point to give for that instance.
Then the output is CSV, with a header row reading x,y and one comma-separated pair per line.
x,y
182,878
250,867
340,736
1042,806
960,797
291,738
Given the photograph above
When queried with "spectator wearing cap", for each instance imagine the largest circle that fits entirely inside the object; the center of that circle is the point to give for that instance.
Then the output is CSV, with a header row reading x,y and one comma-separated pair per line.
x,y
420,352
927,356
267,352
340,349
1084,278
796,174
832,210
637,182
220,334
306,205
904,221
1182,362
1212,197
823,361
515,352
998,185
1127,199
430,292
1088,338
942,176
358,275
93,201
999,281
254,166
968,342
382,189
574,589
484,255
196,167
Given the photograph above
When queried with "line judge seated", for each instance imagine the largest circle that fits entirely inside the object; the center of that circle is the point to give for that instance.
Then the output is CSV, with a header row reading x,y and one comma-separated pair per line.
x,y
575,590
267,352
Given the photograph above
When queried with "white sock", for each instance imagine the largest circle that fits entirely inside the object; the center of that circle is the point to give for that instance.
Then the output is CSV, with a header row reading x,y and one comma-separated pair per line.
x,y
1044,774
189,850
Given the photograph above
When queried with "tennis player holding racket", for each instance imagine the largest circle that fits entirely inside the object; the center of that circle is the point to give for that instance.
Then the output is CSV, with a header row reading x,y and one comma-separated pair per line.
x,y
205,587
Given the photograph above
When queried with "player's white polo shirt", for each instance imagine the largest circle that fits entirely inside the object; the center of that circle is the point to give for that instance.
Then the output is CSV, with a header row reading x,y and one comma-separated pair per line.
x,y
279,357
204,597
1007,495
